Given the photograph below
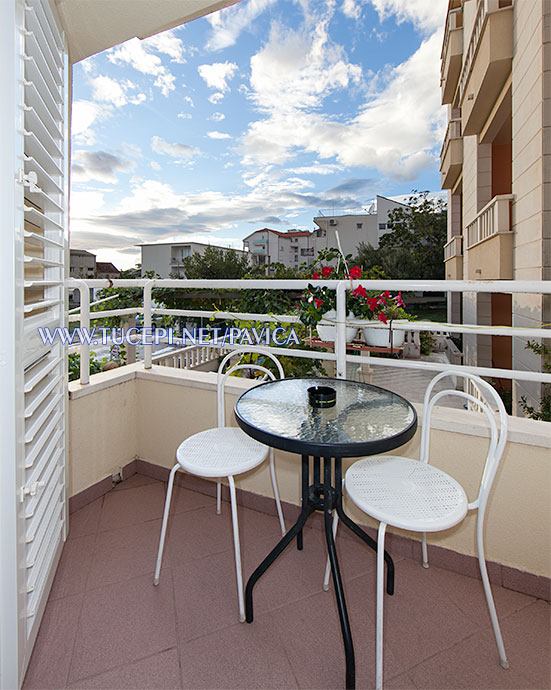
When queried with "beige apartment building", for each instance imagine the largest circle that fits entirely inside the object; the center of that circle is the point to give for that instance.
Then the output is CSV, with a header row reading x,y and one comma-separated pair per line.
x,y
496,166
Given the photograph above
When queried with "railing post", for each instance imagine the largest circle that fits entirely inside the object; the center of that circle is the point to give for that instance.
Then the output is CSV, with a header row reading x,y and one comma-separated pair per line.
x,y
340,330
147,322
84,325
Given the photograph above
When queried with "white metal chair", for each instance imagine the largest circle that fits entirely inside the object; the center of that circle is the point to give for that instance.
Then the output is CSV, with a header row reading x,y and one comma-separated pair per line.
x,y
224,452
412,495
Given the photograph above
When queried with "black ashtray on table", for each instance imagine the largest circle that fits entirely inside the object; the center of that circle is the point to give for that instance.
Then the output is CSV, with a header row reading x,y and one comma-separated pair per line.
x,y
322,396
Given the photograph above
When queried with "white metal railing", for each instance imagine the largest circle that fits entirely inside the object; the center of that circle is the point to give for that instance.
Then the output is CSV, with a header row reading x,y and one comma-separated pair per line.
x,y
484,8
453,131
340,286
453,248
494,218
453,22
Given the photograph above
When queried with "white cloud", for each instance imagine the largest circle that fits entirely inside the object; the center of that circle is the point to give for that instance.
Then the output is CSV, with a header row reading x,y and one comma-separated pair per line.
x,y
136,54
168,44
317,169
99,165
218,135
84,115
216,97
174,150
351,9
227,24
217,117
395,131
155,165
185,116
217,74
189,101
108,90
424,14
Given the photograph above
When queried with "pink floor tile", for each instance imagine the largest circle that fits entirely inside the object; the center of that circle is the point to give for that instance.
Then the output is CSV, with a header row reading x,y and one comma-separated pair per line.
x,y
125,553
242,656
51,657
158,672
74,567
474,663
130,507
184,500
122,623
133,481
86,520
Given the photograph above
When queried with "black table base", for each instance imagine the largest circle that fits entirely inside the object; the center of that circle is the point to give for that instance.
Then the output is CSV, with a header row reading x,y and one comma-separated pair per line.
x,y
325,496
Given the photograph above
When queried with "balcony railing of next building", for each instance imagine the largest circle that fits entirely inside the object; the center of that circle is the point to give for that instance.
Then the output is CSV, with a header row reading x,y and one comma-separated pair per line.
x,y
494,218
453,248
340,355
453,131
484,8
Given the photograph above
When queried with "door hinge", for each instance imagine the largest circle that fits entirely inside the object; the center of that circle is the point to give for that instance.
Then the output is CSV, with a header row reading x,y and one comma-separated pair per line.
x,y
31,490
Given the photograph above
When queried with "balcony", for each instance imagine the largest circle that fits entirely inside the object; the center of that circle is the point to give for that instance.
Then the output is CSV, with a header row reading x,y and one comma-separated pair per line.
x,y
451,155
453,258
452,55
487,63
489,242
107,627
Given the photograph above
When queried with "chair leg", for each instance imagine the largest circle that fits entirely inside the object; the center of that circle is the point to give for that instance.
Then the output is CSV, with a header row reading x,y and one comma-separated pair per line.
x,y
218,496
380,601
164,524
328,564
424,550
276,492
488,591
237,549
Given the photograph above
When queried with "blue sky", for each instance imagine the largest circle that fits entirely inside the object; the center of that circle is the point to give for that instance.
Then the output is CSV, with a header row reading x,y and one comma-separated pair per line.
x,y
257,116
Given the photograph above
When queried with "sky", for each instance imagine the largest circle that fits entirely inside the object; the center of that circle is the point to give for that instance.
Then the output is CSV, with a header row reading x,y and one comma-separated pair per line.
x,y
260,115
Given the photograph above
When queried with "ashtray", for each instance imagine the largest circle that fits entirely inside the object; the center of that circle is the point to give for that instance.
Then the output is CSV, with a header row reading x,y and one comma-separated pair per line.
x,y
322,396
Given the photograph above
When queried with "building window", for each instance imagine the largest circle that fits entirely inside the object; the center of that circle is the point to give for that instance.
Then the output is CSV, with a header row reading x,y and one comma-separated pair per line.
x,y
382,226
359,226
186,252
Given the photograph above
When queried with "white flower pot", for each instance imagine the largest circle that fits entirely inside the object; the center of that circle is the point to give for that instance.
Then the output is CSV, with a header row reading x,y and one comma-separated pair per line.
x,y
326,327
380,337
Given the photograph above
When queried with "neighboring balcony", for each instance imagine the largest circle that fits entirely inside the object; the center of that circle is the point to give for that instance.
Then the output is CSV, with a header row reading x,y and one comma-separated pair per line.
x,y
453,258
260,249
452,55
489,242
487,63
451,155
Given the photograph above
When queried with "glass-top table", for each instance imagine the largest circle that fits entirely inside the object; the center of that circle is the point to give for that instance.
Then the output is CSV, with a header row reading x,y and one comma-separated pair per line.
x,y
364,420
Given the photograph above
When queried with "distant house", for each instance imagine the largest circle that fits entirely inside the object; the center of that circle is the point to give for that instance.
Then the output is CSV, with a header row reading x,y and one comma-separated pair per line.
x,y
290,248
355,228
105,269
166,259
82,264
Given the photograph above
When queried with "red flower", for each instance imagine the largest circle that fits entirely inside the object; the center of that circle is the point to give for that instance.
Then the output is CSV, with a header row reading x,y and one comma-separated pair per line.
x,y
360,291
326,271
355,272
372,302
399,300
381,317
318,302
315,276
386,294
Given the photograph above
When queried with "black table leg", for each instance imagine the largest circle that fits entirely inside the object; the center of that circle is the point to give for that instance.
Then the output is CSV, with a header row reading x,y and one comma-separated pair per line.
x,y
337,583
295,531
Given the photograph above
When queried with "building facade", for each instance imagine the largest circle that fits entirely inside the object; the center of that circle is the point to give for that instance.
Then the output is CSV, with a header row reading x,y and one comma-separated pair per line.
x,y
82,264
167,259
496,166
354,229
291,248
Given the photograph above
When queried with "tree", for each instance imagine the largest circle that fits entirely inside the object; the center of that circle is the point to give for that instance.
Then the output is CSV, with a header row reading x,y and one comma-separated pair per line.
x,y
216,264
413,250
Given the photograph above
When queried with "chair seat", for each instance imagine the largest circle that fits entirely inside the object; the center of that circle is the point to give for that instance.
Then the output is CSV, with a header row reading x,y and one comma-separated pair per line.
x,y
220,452
406,493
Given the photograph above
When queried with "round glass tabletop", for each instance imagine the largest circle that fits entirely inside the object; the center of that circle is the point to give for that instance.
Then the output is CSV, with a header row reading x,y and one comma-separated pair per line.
x,y
365,420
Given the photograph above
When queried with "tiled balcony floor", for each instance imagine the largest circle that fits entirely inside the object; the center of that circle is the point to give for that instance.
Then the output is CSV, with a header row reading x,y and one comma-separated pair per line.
x,y
107,627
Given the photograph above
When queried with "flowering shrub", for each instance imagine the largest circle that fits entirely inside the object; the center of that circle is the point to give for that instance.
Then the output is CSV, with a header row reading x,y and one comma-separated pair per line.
x,y
319,299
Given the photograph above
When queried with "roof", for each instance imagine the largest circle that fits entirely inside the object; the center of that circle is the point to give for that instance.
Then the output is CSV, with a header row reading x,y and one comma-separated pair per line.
x,y
184,244
106,267
293,233
95,25
80,252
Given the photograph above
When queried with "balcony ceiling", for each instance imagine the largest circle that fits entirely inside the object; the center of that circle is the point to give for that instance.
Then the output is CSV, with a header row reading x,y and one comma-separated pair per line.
x,y
95,25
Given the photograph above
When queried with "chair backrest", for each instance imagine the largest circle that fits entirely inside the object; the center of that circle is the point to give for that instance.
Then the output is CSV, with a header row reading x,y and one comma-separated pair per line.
x,y
487,401
223,376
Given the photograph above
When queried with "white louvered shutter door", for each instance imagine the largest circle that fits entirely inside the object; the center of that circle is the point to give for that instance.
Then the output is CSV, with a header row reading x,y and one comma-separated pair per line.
x,y
40,254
